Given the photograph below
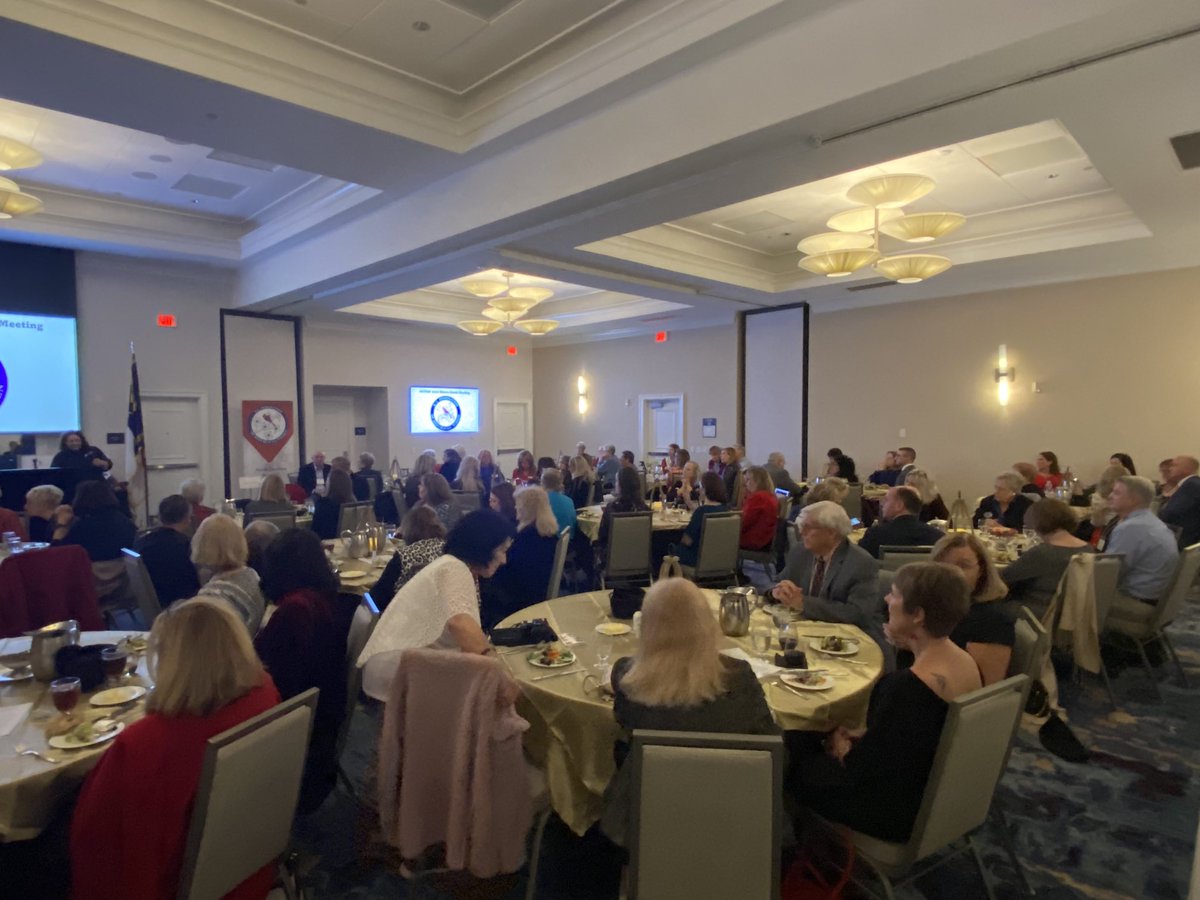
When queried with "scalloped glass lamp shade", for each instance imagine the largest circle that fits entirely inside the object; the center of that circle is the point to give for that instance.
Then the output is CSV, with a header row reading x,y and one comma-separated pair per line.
x,y
890,191
838,263
861,219
911,268
485,287
14,202
480,327
510,304
835,240
15,155
536,326
919,228
533,294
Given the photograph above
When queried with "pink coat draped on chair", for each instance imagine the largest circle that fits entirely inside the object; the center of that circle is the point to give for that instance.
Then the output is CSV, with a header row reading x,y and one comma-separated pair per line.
x,y
39,587
451,766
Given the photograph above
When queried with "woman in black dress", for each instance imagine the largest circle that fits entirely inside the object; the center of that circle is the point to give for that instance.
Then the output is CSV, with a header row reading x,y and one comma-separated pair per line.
x,y
988,630
1003,512
74,452
328,509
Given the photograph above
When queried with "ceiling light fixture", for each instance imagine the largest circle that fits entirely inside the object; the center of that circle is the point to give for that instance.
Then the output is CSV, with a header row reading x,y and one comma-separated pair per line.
x,y
485,287
919,228
835,240
838,263
891,191
861,219
14,202
507,304
536,326
15,155
480,327
911,268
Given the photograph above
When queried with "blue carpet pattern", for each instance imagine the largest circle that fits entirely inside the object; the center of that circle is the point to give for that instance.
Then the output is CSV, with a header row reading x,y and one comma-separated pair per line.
x,y
1121,825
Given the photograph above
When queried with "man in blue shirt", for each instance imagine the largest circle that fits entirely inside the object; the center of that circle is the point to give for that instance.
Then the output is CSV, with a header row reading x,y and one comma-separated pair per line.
x,y
1148,545
606,469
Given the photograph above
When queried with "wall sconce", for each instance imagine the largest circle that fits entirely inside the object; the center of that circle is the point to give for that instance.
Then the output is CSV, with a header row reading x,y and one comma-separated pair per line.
x,y
581,389
1005,375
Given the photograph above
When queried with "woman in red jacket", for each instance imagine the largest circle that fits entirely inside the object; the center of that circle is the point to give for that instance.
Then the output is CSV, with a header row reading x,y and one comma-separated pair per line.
x,y
130,825
760,510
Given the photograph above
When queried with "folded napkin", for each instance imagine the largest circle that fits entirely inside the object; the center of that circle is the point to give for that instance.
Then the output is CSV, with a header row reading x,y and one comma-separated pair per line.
x,y
537,631
12,716
762,668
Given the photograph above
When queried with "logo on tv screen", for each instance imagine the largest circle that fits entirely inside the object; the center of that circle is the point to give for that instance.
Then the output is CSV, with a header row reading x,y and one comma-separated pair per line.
x,y
446,413
3,383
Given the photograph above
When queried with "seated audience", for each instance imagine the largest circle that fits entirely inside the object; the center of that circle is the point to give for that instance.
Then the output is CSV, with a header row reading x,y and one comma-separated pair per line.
x,y
682,458
731,475
777,468
524,579
582,481
327,511
932,504
366,476
1028,472
628,499
468,480
272,498
678,681
607,467
1148,545
167,551
313,475
10,521
1182,508
713,500
439,608
829,579
564,509
873,780
40,505
303,645
341,462
831,456
425,464
94,522
192,490
842,466
451,460
900,524
715,464
1004,511
1033,578
436,494
220,552
581,450
1049,475
564,469
686,491
526,470
832,489
259,535
987,631
760,511
1096,528
503,500
907,458
74,452
544,463
489,474
628,460
130,826
1123,459
424,538
888,471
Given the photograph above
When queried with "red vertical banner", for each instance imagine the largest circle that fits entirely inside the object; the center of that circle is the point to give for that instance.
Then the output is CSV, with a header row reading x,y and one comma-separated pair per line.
x,y
267,426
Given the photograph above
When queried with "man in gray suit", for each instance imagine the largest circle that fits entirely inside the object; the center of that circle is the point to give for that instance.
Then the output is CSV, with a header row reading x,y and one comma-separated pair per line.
x,y
829,579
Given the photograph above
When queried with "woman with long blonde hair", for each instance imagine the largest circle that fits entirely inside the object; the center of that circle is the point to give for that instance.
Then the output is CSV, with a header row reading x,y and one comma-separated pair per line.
x,y
207,680
468,476
932,504
679,681
525,579
582,479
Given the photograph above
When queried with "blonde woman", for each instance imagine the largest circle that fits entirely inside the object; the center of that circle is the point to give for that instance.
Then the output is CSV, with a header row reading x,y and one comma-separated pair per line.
x,y
426,464
687,489
582,479
468,476
219,548
272,498
525,580
833,489
987,633
932,504
207,680
679,681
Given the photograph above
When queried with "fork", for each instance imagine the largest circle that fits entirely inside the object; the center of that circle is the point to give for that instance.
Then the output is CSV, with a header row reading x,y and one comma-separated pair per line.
x,y
22,750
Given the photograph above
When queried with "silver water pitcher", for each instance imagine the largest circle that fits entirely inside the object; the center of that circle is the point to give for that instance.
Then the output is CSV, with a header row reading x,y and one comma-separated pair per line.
x,y
734,612
46,642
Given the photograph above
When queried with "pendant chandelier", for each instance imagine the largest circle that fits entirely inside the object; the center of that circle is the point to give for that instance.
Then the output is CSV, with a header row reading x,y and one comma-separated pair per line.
x,y
506,306
853,244
14,201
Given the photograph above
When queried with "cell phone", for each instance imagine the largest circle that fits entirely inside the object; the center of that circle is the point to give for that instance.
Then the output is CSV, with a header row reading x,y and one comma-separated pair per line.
x,y
854,522
782,492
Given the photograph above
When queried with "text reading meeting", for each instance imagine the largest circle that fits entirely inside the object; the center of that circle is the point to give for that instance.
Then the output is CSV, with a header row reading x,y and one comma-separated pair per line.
x,y
39,378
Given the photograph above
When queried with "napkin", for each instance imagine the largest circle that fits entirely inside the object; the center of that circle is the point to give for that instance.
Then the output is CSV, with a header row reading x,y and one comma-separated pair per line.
x,y
12,716
762,668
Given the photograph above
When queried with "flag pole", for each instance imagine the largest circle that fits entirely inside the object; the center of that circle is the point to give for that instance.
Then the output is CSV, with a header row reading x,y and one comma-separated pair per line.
x,y
139,453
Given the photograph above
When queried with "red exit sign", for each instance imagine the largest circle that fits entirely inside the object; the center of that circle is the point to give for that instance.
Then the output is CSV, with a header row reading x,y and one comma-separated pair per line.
x,y
166,320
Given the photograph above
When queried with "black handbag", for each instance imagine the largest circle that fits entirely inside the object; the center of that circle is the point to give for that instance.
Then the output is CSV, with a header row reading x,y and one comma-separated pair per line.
x,y
626,601
83,663
537,631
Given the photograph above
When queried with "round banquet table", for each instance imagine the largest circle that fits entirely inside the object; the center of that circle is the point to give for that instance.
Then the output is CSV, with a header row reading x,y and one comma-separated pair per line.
x,y
588,520
572,728
31,789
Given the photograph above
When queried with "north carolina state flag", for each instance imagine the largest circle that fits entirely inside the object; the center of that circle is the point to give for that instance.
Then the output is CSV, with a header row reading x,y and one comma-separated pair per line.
x,y
267,426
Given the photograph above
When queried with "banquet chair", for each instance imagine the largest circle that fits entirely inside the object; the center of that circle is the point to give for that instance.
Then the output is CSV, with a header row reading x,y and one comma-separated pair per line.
x,y
628,560
354,515
1142,624
246,801
282,521
717,553
560,561
467,501
40,587
778,549
893,556
852,502
366,617
141,588
971,756
401,503
686,787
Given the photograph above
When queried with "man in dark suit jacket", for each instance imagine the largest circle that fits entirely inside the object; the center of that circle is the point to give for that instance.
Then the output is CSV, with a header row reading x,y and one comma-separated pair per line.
x,y
899,525
777,468
829,579
167,552
907,457
1182,508
307,478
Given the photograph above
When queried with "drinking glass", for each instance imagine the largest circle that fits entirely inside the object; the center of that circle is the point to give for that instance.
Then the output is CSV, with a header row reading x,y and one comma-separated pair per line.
x,y
604,645
788,639
65,693
761,638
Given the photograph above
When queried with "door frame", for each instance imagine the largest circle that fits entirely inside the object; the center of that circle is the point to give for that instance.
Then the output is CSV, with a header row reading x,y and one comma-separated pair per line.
x,y
642,399
521,401
201,398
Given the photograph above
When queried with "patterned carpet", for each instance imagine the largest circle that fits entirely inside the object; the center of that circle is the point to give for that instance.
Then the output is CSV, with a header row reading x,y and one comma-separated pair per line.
x,y
1121,825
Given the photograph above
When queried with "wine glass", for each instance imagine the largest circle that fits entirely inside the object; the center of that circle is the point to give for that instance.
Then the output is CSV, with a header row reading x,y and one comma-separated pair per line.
x,y
65,693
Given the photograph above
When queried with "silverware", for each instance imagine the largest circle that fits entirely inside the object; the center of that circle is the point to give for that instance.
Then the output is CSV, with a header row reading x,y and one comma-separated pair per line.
x,y
557,674
849,662
22,750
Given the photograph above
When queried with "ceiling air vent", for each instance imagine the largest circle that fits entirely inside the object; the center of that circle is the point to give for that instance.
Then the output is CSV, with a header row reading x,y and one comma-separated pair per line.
x,y
482,9
208,187
1187,148
870,285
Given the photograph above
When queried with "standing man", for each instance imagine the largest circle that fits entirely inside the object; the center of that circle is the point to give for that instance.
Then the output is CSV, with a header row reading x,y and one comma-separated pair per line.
x,y
313,475
606,468
1182,508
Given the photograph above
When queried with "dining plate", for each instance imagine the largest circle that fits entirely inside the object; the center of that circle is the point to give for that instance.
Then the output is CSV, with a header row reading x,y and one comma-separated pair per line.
x,y
565,658
69,742
118,695
355,577
796,681
8,676
613,629
851,647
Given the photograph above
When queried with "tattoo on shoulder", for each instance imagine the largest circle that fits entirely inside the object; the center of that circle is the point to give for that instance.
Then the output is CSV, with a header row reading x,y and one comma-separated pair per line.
x,y
941,680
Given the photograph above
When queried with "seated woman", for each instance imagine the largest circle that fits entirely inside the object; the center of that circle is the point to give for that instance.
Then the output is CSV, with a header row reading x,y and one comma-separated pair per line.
x,y
272,498
874,780
832,488
468,480
1096,527
130,826
439,607
1028,472
628,499
74,452
686,491
713,500
94,522
1049,474
503,501
1004,511
579,489
842,466
327,510
678,681
436,494
888,471
489,474
303,645
526,471
1123,459
193,491
219,550
525,578
932,504
760,511
450,463
1033,578
40,505
986,632
424,464
424,537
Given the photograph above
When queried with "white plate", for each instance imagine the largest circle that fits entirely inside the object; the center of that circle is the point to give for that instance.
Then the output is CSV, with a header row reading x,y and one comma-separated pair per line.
x,y
65,742
355,577
118,695
8,676
613,629
794,681
566,659
850,651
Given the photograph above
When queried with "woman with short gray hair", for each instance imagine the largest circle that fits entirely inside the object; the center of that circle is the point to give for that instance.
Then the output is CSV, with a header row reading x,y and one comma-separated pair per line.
x,y
1004,511
40,504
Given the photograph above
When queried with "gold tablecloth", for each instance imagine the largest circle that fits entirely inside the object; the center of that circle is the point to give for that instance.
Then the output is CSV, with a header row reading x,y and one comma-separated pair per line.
x,y
588,520
33,791
572,730
346,565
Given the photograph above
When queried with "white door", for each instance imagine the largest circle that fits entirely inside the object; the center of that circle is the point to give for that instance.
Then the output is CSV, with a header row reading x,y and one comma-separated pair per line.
x,y
661,424
333,425
514,432
175,427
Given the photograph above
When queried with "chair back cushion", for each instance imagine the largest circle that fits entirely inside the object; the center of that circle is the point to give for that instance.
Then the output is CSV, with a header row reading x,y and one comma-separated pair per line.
x,y
852,502
629,544
468,501
1181,583
282,521
1031,643
560,563
39,587
1106,572
717,555
141,587
355,515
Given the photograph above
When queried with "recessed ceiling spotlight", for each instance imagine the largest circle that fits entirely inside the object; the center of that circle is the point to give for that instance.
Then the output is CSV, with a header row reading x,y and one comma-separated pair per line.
x,y
420,25
160,157
145,176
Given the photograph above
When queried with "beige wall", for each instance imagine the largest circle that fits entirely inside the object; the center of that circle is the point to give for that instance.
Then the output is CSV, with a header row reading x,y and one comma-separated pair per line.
x,y
699,364
1115,359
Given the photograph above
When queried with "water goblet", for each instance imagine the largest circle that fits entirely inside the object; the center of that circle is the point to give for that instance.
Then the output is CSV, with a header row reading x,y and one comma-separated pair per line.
x,y
65,693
